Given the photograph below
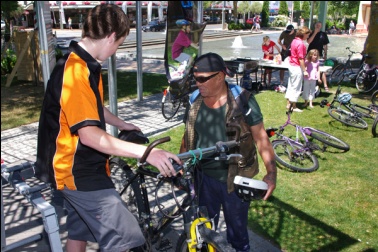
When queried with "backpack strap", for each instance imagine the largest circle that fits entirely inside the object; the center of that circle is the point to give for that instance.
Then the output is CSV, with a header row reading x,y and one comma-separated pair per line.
x,y
241,97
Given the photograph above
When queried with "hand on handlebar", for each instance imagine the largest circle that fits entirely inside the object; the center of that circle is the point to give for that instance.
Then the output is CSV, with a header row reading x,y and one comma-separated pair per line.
x,y
162,161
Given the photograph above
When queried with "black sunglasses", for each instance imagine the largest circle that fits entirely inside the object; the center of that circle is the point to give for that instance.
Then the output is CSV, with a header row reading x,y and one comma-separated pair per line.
x,y
204,79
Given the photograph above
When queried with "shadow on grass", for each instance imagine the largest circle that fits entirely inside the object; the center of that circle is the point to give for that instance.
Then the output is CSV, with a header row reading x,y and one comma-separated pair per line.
x,y
293,230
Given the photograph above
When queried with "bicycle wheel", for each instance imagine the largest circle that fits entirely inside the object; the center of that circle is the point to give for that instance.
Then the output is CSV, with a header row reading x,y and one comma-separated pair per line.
x,y
327,139
364,82
374,97
347,118
362,111
169,105
294,156
374,127
337,75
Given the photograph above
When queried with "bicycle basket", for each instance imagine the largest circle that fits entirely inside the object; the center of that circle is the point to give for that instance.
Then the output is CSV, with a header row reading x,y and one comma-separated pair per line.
x,y
250,189
344,98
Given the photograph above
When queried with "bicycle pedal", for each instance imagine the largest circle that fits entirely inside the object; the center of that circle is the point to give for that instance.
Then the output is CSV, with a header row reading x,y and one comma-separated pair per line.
x,y
164,245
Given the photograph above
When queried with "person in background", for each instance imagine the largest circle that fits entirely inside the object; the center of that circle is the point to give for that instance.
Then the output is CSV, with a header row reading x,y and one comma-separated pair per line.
x,y
268,50
206,124
287,37
181,42
73,147
70,23
309,83
319,40
256,23
297,68
352,27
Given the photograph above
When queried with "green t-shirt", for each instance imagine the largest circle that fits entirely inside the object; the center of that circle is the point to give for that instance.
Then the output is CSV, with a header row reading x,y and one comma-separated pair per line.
x,y
210,129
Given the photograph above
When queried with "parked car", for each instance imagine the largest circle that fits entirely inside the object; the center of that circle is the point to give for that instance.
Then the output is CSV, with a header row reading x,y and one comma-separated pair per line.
x,y
2,25
154,25
249,21
206,18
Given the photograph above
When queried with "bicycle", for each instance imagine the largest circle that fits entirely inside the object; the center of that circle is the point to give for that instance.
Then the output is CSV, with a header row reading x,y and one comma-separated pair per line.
x,y
343,69
354,114
133,185
374,97
175,94
366,79
297,154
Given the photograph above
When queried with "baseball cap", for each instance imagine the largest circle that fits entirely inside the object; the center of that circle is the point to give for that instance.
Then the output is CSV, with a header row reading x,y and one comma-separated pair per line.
x,y
289,28
211,62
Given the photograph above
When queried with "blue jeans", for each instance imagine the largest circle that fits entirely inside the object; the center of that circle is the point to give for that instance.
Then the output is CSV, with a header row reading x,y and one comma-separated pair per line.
x,y
213,194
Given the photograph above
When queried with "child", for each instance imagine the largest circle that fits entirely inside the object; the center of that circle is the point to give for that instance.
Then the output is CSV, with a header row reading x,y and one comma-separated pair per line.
x,y
268,50
309,82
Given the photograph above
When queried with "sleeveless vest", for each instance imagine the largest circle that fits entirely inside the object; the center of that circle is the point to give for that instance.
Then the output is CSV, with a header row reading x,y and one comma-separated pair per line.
x,y
246,166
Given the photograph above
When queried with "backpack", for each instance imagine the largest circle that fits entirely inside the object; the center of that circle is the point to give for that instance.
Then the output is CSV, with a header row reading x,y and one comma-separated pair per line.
x,y
236,92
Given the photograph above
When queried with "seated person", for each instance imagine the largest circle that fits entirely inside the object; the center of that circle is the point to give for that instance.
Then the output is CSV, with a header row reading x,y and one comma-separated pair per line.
x,y
181,42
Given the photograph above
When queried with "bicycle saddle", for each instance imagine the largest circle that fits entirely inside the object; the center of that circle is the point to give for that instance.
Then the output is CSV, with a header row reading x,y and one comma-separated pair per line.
x,y
133,136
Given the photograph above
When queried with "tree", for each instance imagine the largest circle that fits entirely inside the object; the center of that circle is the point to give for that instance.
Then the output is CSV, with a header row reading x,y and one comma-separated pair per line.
x,y
283,9
297,5
244,8
235,10
7,7
306,10
256,7
265,14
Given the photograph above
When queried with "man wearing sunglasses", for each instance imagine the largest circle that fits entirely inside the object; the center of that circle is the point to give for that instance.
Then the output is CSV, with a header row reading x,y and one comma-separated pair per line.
x,y
215,113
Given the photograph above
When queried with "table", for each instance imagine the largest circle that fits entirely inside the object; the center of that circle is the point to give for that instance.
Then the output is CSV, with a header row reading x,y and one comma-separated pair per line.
x,y
263,63
250,66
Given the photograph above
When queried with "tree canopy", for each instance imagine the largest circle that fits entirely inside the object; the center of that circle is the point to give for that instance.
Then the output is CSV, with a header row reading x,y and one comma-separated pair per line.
x,y
265,14
283,9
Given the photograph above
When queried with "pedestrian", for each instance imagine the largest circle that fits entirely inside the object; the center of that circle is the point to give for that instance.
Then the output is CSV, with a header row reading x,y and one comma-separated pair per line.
x,y
297,68
319,40
309,83
73,145
70,23
352,27
256,23
206,123
287,36
268,50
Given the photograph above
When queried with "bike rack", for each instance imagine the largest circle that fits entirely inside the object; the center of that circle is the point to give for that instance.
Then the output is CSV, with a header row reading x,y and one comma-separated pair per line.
x,y
16,175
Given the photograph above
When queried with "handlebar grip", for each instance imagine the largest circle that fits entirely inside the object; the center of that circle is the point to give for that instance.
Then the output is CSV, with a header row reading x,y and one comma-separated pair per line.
x,y
152,145
18,167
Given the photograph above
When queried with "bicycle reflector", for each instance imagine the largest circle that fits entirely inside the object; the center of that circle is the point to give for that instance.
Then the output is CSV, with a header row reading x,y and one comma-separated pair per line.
x,y
344,98
250,189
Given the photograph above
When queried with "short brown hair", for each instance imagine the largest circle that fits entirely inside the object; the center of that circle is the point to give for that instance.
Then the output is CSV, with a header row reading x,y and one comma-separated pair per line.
x,y
302,31
103,20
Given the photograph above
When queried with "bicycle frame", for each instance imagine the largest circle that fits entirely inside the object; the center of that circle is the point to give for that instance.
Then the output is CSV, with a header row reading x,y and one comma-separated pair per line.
x,y
343,70
197,226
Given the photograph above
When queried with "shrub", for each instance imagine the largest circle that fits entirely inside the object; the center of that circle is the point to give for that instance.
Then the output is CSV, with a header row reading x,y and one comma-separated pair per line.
x,y
8,62
280,21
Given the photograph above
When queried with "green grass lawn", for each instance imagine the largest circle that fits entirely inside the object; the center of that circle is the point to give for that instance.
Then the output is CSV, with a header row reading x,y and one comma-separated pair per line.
x,y
331,209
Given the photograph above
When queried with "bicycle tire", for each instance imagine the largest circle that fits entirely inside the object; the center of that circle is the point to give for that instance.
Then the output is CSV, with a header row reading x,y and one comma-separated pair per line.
x,y
169,105
374,97
327,138
362,111
364,83
337,75
374,127
132,196
220,243
347,118
294,156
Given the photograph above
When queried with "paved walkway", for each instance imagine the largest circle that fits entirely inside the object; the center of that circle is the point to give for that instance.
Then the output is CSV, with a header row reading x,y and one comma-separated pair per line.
x,y
22,220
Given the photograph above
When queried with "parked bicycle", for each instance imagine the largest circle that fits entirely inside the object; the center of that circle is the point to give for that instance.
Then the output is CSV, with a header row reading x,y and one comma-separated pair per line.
x,y
353,115
177,94
133,183
366,79
344,70
297,154
374,97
